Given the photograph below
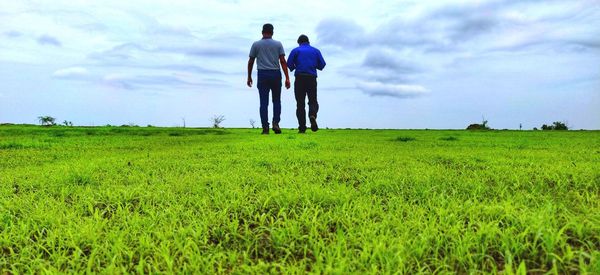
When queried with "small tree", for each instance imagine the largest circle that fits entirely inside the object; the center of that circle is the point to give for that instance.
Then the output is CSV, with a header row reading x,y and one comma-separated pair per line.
x,y
217,120
47,120
484,123
252,123
67,123
557,125
560,125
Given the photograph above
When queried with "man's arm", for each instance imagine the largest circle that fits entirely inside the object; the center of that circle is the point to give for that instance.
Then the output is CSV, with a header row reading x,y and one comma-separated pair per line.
x,y
250,66
320,62
285,71
290,61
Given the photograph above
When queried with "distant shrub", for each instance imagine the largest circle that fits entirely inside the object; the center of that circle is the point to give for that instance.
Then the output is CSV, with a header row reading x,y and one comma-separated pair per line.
x,y
474,126
131,124
217,120
451,138
477,126
560,126
11,145
17,146
405,139
557,125
47,120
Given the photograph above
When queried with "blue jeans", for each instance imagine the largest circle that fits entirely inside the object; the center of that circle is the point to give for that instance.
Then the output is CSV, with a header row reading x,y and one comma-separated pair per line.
x,y
269,80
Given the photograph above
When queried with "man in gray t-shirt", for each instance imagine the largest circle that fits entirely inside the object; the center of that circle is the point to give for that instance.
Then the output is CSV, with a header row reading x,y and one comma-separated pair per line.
x,y
270,55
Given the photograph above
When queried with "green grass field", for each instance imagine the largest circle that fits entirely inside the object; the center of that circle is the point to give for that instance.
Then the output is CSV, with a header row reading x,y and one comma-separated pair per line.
x,y
126,199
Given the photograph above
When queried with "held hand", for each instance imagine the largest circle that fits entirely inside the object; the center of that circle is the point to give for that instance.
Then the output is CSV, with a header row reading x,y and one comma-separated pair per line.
x,y
287,84
249,82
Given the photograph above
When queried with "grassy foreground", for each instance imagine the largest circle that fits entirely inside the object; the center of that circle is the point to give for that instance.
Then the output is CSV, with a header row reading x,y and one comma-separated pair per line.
x,y
339,201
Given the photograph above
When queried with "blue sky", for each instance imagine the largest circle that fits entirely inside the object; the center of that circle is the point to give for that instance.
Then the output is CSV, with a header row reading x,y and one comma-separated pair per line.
x,y
391,64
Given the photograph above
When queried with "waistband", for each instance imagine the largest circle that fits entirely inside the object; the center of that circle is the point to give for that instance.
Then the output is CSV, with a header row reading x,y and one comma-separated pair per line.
x,y
306,75
269,73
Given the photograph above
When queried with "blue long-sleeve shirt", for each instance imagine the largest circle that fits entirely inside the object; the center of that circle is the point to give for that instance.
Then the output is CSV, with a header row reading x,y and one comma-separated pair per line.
x,y
306,59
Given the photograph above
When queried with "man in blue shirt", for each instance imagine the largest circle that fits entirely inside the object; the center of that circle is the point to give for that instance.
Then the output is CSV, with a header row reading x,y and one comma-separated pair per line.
x,y
306,59
270,55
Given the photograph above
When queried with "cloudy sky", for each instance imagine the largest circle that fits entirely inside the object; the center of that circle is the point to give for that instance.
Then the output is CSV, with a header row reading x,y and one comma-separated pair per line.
x,y
390,64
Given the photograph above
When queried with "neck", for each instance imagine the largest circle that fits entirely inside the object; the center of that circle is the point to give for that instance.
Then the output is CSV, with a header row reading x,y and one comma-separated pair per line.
x,y
267,36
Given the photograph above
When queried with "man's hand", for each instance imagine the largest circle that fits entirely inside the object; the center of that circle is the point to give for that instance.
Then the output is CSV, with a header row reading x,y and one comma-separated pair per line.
x,y
287,83
250,65
285,71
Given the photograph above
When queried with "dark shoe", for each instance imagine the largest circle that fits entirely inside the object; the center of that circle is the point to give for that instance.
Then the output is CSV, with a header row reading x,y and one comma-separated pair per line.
x,y
276,128
302,131
265,131
313,124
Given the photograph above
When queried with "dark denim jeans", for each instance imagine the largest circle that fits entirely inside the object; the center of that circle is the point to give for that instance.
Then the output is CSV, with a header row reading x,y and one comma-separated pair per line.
x,y
305,86
269,81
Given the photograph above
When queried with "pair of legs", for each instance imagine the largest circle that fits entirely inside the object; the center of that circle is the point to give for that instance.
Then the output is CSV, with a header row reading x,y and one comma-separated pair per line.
x,y
306,85
269,81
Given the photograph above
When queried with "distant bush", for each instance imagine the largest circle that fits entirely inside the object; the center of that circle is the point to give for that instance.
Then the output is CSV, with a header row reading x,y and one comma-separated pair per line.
x,y
482,126
476,126
217,120
557,125
47,120
450,138
405,139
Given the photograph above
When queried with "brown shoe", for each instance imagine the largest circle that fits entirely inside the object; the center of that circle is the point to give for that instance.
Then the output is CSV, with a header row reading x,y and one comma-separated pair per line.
x,y
313,124
276,128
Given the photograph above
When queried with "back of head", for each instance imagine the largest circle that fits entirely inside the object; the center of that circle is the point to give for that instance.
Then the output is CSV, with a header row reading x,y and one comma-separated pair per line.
x,y
267,28
303,39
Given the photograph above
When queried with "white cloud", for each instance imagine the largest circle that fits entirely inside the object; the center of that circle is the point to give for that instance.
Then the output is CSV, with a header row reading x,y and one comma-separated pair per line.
x,y
393,90
71,72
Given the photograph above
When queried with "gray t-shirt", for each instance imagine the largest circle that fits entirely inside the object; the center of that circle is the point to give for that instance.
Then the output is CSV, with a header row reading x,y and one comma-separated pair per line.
x,y
267,52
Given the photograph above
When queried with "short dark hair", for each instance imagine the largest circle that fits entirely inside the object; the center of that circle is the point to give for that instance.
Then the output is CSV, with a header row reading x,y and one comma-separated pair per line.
x,y
268,28
302,39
